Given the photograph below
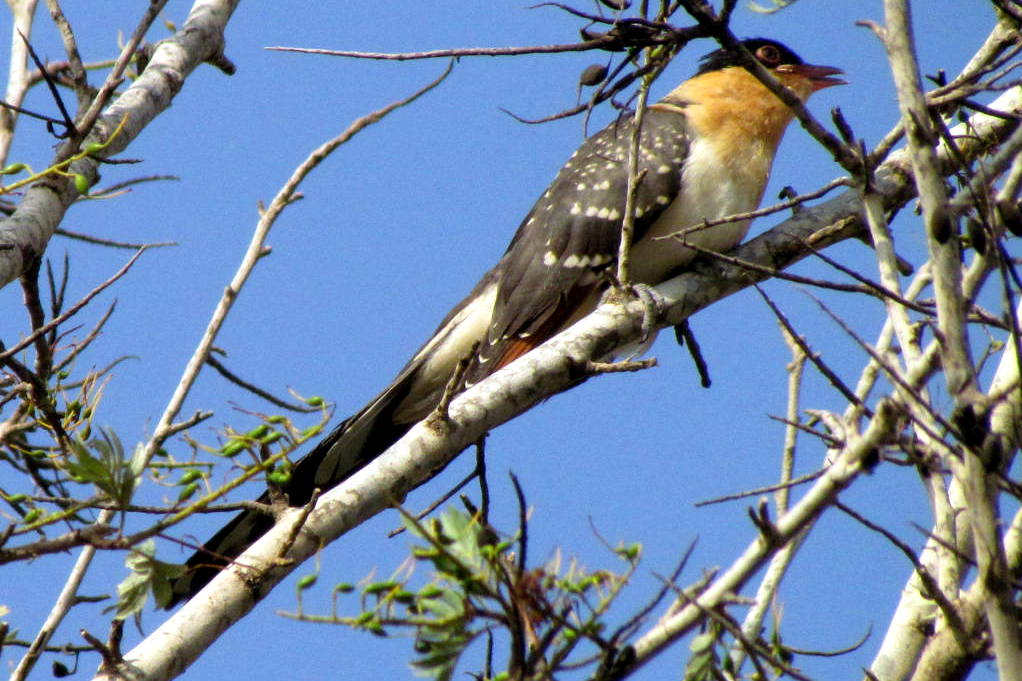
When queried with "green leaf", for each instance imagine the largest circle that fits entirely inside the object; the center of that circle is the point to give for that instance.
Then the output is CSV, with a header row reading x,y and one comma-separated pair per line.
x,y
147,574
701,643
447,606
110,471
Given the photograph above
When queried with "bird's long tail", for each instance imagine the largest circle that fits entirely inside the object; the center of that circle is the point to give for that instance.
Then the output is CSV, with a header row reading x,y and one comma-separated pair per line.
x,y
360,438
349,447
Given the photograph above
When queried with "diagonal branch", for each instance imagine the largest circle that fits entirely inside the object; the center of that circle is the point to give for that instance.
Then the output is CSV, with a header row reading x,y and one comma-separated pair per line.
x,y
27,232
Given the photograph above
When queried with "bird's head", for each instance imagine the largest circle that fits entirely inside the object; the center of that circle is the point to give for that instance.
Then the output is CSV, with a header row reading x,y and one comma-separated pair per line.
x,y
804,79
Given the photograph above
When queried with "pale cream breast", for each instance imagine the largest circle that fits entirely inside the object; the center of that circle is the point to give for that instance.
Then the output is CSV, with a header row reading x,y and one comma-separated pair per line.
x,y
711,189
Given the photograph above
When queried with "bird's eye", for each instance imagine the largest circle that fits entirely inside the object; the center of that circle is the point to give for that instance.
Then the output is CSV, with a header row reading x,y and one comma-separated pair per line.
x,y
769,55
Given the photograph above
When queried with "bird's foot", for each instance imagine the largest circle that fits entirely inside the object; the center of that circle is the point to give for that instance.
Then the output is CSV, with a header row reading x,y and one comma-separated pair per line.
x,y
654,306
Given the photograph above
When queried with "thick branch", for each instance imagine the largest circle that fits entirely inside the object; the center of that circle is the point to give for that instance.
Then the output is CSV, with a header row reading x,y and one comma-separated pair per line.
x,y
26,233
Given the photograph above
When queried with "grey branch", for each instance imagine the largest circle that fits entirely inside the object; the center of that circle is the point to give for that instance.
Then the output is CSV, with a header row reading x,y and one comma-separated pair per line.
x,y
27,232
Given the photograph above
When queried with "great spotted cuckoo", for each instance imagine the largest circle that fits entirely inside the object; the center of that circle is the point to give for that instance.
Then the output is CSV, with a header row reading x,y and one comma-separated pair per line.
x,y
705,152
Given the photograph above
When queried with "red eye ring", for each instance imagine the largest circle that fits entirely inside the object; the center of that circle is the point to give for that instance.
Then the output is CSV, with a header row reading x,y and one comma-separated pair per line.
x,y
769,55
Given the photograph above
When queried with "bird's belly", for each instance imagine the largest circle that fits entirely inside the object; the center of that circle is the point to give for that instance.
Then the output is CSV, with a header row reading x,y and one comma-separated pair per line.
x,y
710,190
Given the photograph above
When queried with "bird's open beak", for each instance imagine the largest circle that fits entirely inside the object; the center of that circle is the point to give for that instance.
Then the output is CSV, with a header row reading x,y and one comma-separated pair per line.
x,y
819,77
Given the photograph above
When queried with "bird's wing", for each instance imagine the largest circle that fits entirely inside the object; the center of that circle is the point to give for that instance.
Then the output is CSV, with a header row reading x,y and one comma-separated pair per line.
x,y
572,234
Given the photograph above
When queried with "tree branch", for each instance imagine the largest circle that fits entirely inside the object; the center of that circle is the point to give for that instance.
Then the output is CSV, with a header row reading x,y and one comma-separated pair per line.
x,y
27,232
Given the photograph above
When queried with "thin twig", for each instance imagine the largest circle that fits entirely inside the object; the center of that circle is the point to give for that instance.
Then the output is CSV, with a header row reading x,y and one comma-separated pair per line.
x,y
793,202
767,489
256,390
57,321
596,44
827,372
89,239
252,255
933,590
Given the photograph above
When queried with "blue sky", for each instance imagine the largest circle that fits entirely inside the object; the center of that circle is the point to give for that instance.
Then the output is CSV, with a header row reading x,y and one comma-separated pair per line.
x,y
393,230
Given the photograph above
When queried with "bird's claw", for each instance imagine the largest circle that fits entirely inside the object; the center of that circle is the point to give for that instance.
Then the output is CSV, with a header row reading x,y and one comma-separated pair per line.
x,y
653,304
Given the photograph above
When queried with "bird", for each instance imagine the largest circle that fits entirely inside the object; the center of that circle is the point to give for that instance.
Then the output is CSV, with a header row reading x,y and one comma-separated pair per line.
x,y
705,152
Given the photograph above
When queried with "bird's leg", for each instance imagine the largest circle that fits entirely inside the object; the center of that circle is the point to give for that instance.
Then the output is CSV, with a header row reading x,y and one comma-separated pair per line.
x,y
456,384
296,528
654,305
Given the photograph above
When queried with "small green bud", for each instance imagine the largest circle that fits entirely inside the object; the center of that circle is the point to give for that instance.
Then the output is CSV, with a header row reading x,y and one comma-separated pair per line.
x,y
258,431
233,448
81,184
305,582
190,475
279,476
188,491
379,587
430,592
630,552
13,168
593,74
271,438
403,596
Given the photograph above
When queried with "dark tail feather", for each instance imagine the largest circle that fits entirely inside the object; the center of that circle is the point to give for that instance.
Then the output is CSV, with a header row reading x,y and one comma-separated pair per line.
x,y
348,448
357,441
